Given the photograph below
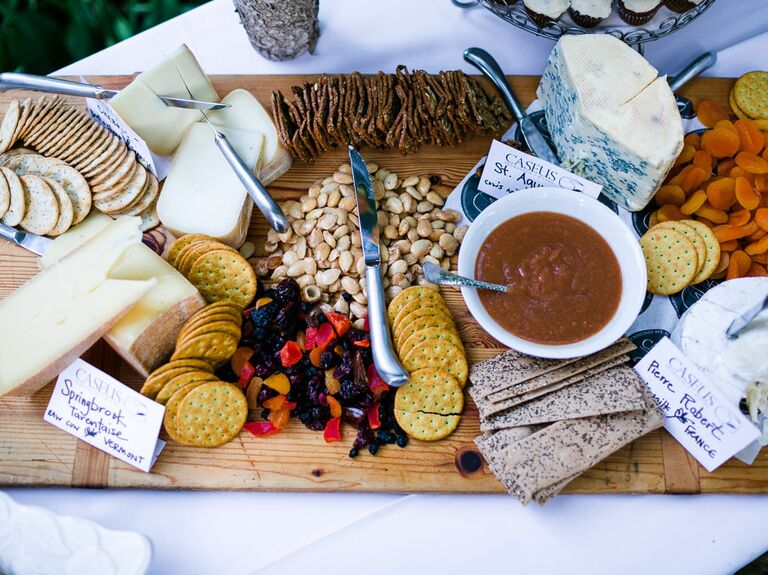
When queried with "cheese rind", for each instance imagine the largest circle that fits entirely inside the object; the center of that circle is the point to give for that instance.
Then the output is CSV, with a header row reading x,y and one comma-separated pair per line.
x,y
611,118
202,194
162,127
61,312
146,335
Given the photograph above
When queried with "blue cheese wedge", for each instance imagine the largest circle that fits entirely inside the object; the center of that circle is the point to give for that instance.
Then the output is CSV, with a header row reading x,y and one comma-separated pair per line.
x,y
612,118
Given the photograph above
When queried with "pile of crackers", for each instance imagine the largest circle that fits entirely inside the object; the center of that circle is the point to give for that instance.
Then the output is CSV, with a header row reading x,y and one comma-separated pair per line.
x,y
679,254
217,270
200,409
547,421
749,96
119,185
429,406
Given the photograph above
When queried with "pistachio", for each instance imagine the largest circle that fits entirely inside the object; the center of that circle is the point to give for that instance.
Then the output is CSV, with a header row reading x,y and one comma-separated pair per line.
x,y
424,228
412,235
378,190
274,261
270,248
436,252
345,169
398,267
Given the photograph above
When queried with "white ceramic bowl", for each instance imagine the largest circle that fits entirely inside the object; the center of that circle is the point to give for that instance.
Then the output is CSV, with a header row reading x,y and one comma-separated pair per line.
x,y
605,222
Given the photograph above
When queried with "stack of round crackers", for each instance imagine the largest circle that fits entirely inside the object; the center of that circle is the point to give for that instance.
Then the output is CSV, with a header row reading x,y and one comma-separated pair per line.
x,y
679,254
429,406
118,183
749,96
217,270
200,409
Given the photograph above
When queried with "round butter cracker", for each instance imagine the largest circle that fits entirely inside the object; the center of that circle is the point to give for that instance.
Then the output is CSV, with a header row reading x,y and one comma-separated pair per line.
x,y
671,260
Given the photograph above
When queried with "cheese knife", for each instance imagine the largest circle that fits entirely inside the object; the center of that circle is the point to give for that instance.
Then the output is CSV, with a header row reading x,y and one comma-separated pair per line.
x,y
16,81
387,364
32,242
486,63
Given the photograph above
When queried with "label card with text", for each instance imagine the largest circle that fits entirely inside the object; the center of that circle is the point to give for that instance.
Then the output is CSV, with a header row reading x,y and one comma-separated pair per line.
x,y
95,407
508,170
695,412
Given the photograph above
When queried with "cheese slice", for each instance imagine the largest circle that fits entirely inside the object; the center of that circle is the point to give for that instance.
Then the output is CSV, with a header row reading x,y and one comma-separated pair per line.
x,y
202,195
57,315
145,337
248,114
611,118
163,127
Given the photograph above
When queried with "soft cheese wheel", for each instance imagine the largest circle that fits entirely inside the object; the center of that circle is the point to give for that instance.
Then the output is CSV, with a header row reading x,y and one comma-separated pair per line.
x,y
612,119
202,194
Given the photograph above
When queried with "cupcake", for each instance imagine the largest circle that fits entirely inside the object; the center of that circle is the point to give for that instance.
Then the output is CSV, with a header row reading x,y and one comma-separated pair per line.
x,y
637,12
589,13
542,12
681,5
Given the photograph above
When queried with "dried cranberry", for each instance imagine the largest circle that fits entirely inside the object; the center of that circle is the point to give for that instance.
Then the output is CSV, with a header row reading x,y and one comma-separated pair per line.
x,y
263,365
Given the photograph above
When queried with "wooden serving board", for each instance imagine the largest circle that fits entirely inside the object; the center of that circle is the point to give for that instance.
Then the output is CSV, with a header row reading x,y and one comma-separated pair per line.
x,y
34,453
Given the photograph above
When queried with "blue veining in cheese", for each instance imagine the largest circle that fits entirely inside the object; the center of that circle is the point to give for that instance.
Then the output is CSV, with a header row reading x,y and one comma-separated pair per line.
x,y
612,119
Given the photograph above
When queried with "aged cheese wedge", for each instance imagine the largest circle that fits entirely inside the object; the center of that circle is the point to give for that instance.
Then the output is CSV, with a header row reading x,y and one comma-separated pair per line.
x,y
612,119
146,335
160,126
247,113
57,315
202,195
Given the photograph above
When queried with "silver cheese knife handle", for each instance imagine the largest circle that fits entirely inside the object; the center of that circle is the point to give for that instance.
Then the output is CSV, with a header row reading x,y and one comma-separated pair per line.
x,y
484,62
31,242
387,365
266,204
16,81
693,69
437,275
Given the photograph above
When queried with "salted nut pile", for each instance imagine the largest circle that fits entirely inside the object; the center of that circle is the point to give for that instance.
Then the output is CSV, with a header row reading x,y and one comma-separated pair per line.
x,y
322,249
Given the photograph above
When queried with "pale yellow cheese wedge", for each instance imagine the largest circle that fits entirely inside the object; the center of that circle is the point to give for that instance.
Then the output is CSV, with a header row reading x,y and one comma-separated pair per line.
x,y
146,335
57,315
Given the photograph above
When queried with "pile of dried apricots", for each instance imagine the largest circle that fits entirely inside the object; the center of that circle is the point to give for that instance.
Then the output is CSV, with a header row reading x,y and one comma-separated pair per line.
x,y
721,180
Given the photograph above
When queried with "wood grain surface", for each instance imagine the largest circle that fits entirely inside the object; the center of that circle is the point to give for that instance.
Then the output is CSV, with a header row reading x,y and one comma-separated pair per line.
x,y
34,453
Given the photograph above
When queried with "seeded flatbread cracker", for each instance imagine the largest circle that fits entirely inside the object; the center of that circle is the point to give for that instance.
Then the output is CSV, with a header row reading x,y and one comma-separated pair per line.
x,y
216,348
18,204
76,187
712,256
113,178
147,196
223,275
38,106
431,333
66,211
172,409
86,153
751,94
5,195
25,107
34,164
425,310
441,321
44,121
408,295
51,128
6,157
84,140
111,152
671,260
211,414
8,127
124,196
74,124
438,354
179,381
42,210
149,217
192,326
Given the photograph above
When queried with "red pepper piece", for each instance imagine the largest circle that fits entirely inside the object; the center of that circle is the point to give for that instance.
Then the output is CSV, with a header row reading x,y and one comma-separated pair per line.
x,y
375,383
339,321
362,343
290,354
261,428
373,416
366,324
332,430
310,338
246,375
325,335
289,405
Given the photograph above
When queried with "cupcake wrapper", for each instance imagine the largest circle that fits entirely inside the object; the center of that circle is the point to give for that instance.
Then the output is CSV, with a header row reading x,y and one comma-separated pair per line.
x,y
679,6
635,18
539,19
582,20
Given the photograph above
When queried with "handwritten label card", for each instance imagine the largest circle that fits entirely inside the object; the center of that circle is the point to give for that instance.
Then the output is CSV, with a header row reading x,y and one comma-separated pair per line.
x,y
508,170
695,412
107,414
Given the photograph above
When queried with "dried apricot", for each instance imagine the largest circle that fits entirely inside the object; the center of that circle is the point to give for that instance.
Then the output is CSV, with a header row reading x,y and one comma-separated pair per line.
x,y
761,217
739,218
697,199
710,113
686,155
692,140
677,179
722,265
759,234
745,195
721,143
713,215
725,166
760,258
726,233
693,179
729,246
761,183
739,265
722,193
752,139
653,219
756,271
670,194
703,160
668,213
758,247
752,163
728,126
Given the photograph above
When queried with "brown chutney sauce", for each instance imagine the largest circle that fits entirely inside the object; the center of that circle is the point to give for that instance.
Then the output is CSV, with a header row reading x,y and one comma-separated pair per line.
x,y
565,281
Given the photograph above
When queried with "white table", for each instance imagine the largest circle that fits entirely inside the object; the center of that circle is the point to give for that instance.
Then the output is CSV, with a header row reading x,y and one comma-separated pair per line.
x,y
237,533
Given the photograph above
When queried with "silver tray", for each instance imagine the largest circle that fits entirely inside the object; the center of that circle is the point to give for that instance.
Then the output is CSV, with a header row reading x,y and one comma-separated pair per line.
x,y
665,22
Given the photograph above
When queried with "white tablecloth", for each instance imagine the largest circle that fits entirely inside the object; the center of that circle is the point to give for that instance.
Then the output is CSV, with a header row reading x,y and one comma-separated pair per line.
x,y
238,533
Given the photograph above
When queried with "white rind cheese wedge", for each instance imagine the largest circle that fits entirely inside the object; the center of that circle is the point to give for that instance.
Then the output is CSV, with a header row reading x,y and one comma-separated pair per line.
x,y
202,195
247,113
163,127
145,337
57,315
612,119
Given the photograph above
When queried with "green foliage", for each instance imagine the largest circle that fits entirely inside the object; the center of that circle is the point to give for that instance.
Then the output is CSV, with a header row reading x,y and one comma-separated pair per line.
x,y
40,36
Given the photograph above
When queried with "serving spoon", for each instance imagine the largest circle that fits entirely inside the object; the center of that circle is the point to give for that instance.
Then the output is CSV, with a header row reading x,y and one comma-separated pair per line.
x,y
437,275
